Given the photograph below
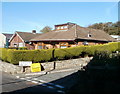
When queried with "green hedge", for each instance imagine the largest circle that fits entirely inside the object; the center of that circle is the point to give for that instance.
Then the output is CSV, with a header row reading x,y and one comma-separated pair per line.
x,y
22,48
3,54
68,52
106,60
14,56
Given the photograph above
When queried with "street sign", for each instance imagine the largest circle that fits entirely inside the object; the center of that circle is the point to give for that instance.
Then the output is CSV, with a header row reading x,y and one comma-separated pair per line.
x,y
25,63
35,67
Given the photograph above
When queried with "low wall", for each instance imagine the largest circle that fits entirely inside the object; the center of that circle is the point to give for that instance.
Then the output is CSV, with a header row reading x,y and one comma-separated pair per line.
x,y
10,68
47,66
72,63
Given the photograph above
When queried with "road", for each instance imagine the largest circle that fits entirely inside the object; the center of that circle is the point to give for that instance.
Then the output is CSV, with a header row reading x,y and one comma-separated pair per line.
x,y
53,83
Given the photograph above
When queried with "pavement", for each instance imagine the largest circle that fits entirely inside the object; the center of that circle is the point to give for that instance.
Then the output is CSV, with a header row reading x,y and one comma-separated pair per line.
x,y
52,82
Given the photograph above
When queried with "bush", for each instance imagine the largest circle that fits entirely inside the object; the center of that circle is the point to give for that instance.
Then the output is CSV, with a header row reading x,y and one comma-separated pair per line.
x,y
0,53
22,48
68,52
29,55
14,56
106,60
3,53
13,48
43,55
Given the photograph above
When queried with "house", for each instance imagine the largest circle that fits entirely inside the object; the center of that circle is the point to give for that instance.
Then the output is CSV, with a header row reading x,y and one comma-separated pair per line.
x,y
21,39
70,35
4,40
117,37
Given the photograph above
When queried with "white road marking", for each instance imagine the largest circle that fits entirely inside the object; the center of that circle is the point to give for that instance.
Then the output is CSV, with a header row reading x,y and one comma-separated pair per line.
x,y
42,81
35,79
61,91
50,83
29,80
50,87
43,85
22,78
28,77
35,82
59,86
17,77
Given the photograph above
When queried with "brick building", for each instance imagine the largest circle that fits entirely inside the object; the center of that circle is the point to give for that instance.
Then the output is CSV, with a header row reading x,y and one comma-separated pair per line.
x,y
70,35
21,39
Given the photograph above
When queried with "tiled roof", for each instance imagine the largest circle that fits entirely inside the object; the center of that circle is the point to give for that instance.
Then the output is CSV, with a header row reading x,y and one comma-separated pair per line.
x,y
82,33
8,36
75,32
26,36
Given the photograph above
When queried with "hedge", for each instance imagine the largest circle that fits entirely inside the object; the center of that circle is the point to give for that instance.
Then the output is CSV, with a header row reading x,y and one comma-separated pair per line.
x,y
22,48
106,60
14,56
3,54
68,52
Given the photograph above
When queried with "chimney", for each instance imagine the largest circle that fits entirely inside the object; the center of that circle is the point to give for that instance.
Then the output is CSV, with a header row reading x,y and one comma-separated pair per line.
x,y
34,31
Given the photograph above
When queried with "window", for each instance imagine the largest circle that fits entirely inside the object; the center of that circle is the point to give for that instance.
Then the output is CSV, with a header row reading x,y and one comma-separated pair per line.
x,y
63,45
85,43
39,47
89,35
15,45
62,27
58,27
65,26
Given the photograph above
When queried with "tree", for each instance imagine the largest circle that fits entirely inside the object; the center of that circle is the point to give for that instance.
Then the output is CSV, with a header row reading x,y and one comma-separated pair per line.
x,y
46,29
109,27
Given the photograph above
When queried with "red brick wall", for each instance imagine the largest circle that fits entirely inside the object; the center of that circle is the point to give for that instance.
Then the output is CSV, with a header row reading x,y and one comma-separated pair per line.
x,y
30,47
91,43
16,40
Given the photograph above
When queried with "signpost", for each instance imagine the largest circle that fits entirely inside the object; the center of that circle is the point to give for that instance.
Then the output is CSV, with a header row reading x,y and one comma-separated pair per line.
x,y
25,63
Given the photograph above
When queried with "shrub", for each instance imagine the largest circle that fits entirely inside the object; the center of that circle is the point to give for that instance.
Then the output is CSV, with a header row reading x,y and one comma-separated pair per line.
x,y
43,55
0,53
106,59
14,56
114,46
29,55
12,48
68,52
22,48
4,53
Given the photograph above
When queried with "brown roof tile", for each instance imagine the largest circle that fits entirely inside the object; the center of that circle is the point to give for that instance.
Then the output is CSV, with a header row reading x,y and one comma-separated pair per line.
x,y
26,36
75,32
8,36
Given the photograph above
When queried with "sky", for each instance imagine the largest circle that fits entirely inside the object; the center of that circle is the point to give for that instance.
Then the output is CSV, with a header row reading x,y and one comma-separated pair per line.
x,y
26,16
